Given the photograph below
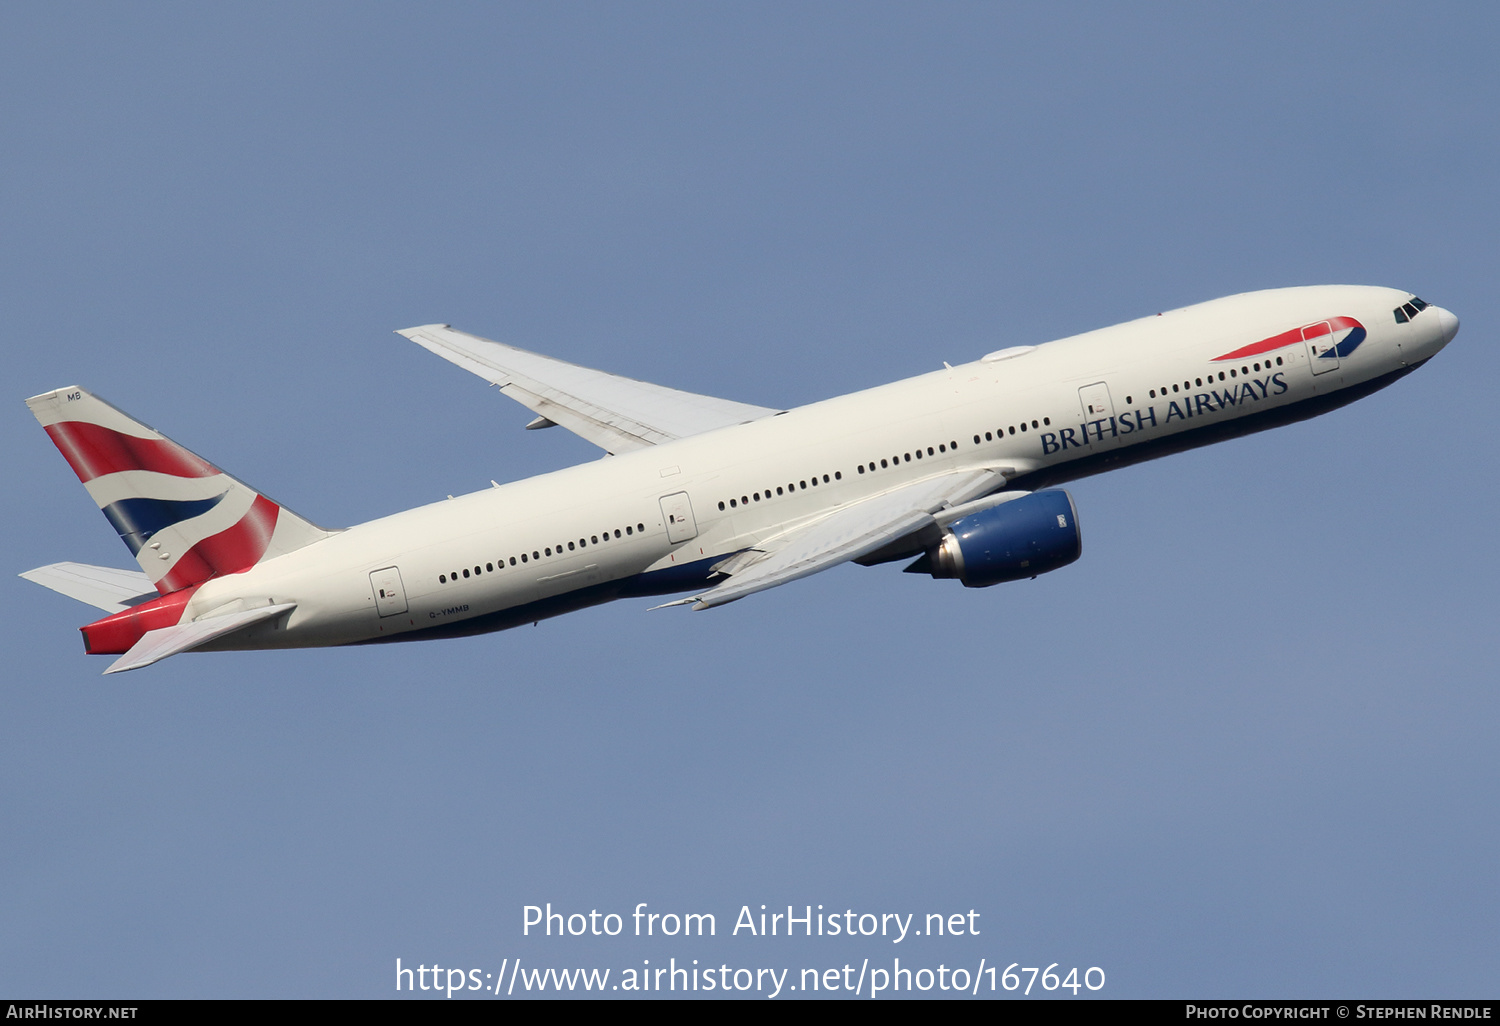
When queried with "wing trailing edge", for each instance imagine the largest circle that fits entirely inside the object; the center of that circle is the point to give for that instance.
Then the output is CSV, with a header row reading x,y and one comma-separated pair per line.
x,y
614,412
847,533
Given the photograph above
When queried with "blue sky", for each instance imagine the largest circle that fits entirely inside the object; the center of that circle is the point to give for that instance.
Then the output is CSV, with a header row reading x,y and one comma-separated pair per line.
x,y
1244,747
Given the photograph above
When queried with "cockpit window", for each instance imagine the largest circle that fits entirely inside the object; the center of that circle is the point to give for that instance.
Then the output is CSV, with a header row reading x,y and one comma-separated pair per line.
x,y
1406,311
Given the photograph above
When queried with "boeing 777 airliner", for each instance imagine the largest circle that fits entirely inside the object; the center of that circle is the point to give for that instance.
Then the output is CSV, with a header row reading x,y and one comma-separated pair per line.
x,y
953,470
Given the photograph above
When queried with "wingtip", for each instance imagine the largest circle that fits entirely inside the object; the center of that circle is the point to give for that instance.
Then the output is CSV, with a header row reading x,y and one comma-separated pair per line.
x,y
409,332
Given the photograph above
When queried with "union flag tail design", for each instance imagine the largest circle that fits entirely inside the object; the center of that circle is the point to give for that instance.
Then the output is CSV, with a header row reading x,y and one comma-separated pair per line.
x,y
183,519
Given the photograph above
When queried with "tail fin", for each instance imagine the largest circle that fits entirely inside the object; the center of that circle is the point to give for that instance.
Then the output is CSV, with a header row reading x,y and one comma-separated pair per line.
x,y
183,519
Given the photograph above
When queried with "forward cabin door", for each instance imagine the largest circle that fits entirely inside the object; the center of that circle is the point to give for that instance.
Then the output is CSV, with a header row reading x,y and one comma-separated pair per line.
x,y
390,596
1320,348
677,511
1098,415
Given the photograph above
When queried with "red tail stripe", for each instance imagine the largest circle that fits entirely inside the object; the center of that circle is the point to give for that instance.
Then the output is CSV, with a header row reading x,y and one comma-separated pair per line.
x,y
230,551
1287,338
114,634
93,451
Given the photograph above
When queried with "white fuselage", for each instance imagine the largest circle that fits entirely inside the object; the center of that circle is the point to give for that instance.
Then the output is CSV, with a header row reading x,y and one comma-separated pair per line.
x,y
655,520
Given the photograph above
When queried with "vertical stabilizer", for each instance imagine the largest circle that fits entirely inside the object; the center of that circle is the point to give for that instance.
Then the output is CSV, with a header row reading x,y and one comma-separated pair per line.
x,y
183,519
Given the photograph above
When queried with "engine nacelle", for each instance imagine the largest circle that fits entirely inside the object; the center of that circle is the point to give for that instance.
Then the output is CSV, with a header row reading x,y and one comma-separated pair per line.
x,y
1020,538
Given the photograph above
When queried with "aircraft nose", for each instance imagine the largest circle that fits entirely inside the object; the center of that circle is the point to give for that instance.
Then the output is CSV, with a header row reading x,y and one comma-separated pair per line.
x,y
1447,324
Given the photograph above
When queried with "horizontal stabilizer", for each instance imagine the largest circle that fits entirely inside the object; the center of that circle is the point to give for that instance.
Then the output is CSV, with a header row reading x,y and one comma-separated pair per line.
x,y
167,641
103,587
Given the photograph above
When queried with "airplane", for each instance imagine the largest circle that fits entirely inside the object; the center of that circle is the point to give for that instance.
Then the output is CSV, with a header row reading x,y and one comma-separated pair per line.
x,y
955,470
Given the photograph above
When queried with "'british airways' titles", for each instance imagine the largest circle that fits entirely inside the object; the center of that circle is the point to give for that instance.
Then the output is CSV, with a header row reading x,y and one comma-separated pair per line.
x,y
1186,408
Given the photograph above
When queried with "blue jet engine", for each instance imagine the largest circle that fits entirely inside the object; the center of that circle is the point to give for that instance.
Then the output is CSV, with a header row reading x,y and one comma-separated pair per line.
x,y
1020,538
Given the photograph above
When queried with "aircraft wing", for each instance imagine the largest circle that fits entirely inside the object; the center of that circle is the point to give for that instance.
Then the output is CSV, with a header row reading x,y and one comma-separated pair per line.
x,y
103,587
615,413
847,533
156,645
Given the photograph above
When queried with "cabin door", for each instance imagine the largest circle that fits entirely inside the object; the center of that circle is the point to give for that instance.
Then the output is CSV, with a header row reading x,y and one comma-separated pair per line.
x,y
677,511
390,596
1098,415
1320,348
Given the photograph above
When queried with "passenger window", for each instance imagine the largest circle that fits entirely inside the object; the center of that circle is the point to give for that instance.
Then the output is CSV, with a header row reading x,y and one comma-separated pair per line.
x,y
804,486
466,572
778,490
721,504
825,478
513,560
883,464
1023,428
595,538
640,527
942,448
489,568
442,578
549,550
757,496
838,475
